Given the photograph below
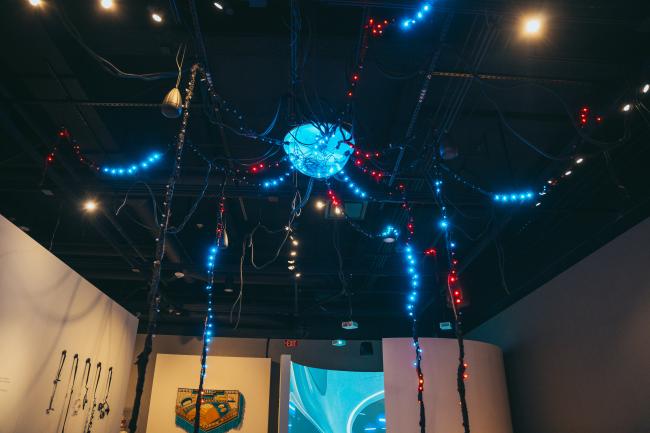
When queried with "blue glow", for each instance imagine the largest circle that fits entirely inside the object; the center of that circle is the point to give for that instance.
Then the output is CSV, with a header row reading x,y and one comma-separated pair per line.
x,y
130,169
319,151
389,233
419,15
443,224
515,198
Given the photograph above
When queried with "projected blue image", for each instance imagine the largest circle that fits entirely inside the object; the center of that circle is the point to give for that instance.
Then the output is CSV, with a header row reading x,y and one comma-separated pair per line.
x,y
332,401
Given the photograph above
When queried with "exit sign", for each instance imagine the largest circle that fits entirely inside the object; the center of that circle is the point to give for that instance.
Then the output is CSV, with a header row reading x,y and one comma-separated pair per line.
x,y
290,343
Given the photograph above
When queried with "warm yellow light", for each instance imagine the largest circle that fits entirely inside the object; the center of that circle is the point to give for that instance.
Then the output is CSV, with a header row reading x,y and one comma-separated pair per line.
x,y
35,3
291,267
90,206
298,275
337,210
294,242
320,204
156,17
532,25
106,4
293,254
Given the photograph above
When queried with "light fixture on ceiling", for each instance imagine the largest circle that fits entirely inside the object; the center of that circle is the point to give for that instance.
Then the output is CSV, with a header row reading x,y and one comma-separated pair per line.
x,y
645,88
90,205
172,105
298,275
626,108
320,204
532,25
218,5
36,3
179,274
157,17
106,4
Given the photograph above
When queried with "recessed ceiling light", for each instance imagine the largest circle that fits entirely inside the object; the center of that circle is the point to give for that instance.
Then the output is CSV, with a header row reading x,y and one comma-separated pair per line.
x,y
626,107
35,3
532,25
179,274
320,204
156,17
645,88
298,275
218,5
579,160
106,4
90,205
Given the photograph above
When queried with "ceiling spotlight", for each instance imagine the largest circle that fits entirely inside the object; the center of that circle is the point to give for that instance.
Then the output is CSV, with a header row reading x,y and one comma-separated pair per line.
x,y
90,205
568,173
35,3
320,204
294,242
179,274
291,267
626,107
337,210
293,254
645,88
291,262
532,26
228,290
106,4
298,275
579,160
156,17
218,5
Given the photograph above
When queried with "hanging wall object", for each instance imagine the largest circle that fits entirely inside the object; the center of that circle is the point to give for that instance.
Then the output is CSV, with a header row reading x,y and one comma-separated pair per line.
x,y
221,411
56,381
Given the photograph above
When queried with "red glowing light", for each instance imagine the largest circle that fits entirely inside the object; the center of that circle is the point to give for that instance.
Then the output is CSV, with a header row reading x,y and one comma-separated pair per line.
x,y
456,292
599,119
355,77
430,252
350,94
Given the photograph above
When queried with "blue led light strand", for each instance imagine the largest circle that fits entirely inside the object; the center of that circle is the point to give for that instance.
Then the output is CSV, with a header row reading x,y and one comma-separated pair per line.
x,y
424,10
131,169
208,327
455,296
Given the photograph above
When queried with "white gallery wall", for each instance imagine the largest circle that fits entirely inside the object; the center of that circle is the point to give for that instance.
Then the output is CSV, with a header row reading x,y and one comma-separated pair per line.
x,y
250,376
45,308
486,392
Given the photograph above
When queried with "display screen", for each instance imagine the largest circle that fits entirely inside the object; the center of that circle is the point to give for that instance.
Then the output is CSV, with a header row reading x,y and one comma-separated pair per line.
x,y
333,401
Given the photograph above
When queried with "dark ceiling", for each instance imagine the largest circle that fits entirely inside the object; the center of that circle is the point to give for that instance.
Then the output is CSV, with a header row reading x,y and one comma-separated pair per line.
x,y
497,95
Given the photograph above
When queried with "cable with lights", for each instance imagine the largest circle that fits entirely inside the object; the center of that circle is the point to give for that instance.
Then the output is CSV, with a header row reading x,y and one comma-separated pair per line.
x,y
208,328
455,295
133,168
422,11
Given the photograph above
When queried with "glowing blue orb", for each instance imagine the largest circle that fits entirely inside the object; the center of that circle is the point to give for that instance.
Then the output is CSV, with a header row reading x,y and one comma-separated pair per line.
x,y
318,150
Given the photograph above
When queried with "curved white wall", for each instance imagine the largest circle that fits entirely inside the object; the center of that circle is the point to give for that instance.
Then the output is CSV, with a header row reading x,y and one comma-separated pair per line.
x,y
487,397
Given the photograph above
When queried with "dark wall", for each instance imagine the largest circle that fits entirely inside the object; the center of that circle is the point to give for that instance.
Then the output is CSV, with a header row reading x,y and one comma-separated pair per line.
x,y
577,350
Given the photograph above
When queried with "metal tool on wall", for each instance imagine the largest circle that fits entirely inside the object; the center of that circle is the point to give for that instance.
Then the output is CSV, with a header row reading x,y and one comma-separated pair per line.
x,y
103,407
91,414
70,392
80,402
57,379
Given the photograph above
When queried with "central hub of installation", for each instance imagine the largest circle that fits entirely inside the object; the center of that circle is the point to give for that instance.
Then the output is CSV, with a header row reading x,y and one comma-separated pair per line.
x,y
318,150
